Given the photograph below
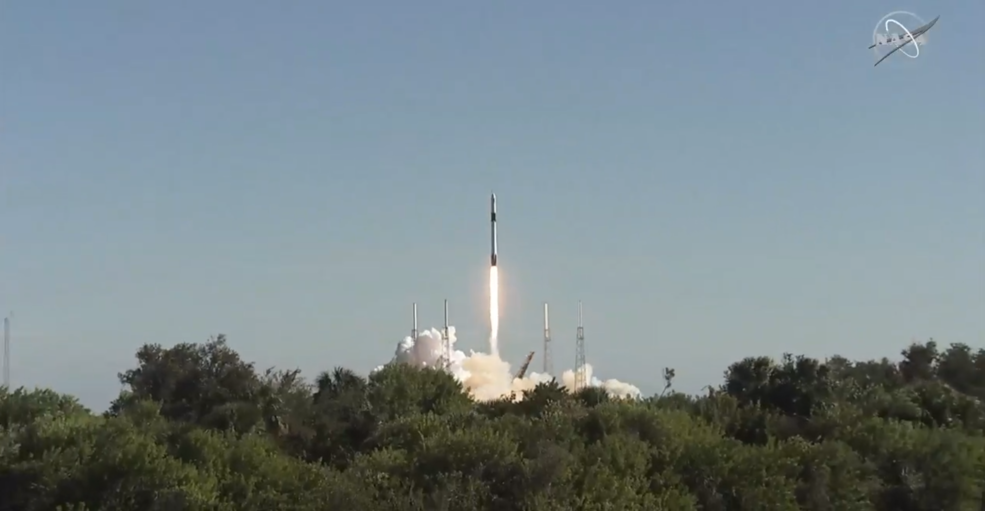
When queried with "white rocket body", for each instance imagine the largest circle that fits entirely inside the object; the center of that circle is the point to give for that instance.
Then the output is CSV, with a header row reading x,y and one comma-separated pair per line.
x,y
492,219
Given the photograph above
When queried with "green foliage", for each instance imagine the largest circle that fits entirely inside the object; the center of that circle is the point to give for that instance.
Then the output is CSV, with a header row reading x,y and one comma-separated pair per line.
x,y
197,428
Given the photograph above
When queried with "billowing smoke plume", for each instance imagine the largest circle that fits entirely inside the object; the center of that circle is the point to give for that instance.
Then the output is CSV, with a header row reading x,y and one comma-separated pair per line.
x,y
487,376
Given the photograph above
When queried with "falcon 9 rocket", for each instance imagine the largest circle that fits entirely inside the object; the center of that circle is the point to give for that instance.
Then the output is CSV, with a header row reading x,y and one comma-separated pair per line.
x,y
492,218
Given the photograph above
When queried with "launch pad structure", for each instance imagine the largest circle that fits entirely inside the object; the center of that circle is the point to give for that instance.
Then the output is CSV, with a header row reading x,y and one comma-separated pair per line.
x,y
548,357
444,358
580,352
445,343
413,331
580,371
6,353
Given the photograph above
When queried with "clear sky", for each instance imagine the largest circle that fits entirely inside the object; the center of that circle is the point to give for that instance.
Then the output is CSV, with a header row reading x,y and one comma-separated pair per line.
x,y
713,180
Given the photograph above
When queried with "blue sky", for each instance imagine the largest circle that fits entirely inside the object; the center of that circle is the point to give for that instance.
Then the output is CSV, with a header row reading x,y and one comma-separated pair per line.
x,y
713,180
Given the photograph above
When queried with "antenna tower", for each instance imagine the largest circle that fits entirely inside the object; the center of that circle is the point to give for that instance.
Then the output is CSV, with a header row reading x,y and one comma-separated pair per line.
x,y
580,352
548,360
445,361
6,353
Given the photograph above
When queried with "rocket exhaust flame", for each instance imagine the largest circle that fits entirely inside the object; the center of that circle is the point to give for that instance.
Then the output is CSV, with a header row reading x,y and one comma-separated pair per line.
x,y
494,311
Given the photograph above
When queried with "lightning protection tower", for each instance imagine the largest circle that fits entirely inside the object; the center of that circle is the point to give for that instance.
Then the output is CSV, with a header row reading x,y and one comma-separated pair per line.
x,y
6,353
445,361
580,352
548,358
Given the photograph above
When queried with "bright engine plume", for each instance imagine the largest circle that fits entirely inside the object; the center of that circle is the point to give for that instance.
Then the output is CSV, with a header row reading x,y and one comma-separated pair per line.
x,y
494,310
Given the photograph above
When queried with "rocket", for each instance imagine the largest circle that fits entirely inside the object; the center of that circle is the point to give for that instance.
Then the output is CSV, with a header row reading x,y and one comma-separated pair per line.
x,y
492,219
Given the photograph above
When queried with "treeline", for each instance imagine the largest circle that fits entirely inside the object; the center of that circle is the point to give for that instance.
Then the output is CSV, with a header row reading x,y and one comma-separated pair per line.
x,y
197,428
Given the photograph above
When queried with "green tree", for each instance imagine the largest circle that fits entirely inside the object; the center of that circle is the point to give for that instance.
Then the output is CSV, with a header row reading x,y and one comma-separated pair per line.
x,y
206,384
198,428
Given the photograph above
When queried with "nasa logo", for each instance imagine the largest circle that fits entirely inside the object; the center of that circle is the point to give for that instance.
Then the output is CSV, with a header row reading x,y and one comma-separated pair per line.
x,y
891,31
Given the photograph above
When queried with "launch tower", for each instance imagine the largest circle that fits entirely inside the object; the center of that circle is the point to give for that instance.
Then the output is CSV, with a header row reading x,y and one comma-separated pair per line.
x,y
580,352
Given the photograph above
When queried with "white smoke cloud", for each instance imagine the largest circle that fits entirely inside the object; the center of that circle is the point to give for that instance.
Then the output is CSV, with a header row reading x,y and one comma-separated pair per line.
x,y
487,376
